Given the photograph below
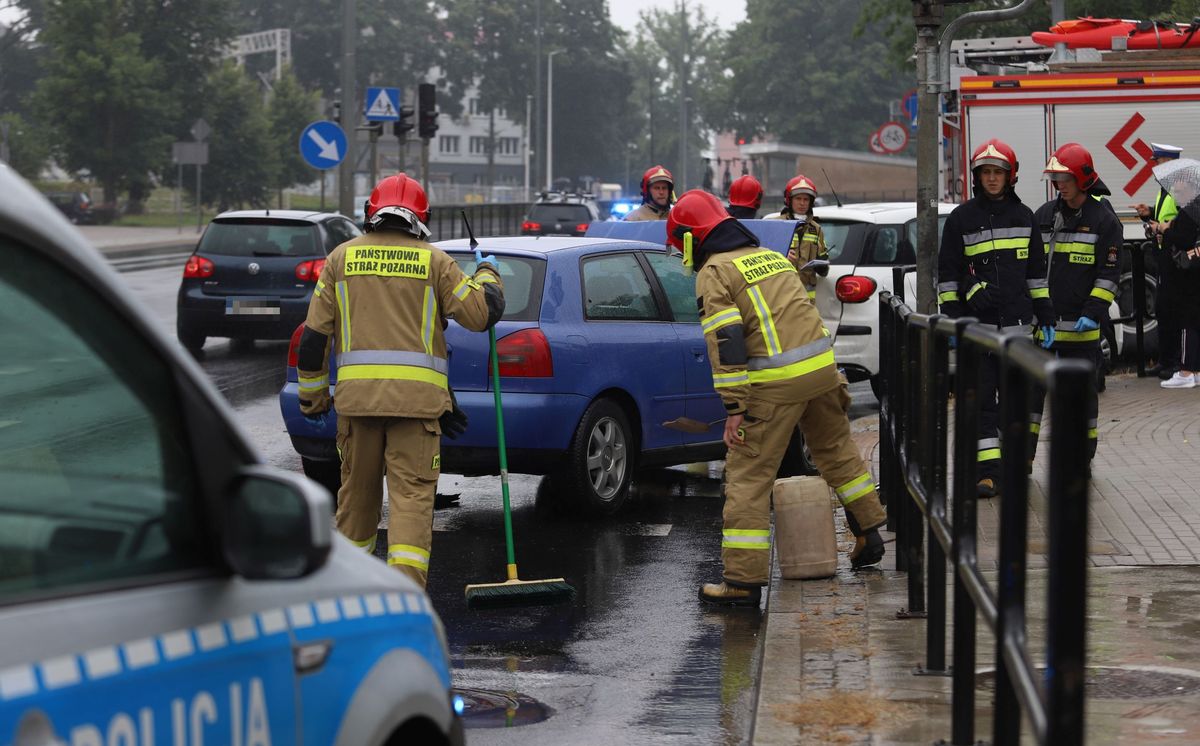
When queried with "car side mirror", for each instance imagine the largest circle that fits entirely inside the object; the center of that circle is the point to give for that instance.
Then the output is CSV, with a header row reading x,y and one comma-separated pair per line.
x,y
277,525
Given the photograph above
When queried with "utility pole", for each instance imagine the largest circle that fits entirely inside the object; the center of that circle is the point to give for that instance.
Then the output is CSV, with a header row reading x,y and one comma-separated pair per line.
x,y
349,109
928,17
683,76
538,146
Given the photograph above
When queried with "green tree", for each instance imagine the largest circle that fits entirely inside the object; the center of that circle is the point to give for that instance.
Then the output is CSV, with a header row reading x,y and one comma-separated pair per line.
x,y
243,160
27,147
399,41
102,97
673,56
290,110
792,75
493,45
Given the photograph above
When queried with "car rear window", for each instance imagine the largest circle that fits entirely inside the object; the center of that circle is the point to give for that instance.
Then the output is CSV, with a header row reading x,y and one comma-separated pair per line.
x,y
844,239
560,214
261,237
522,277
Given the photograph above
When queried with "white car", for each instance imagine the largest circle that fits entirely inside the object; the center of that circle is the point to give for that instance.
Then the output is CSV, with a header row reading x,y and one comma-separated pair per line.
x,y
865,242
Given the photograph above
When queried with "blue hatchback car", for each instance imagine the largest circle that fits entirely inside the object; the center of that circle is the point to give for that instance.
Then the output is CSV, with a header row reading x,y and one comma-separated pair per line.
x,y
599,346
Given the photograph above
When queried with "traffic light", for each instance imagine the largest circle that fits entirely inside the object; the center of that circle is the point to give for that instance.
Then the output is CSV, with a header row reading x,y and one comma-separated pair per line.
x,y
402,126
336,107
427,110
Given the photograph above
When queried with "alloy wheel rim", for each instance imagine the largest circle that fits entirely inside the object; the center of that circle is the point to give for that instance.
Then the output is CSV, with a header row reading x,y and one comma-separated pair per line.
x,y
606,458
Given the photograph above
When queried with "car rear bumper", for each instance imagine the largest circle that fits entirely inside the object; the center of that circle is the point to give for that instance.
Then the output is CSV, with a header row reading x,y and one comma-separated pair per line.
x,y
538,429
205,314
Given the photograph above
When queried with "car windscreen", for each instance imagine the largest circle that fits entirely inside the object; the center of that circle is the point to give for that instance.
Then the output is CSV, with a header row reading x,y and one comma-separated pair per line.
x,y
844,239
261,237
565,214
522,278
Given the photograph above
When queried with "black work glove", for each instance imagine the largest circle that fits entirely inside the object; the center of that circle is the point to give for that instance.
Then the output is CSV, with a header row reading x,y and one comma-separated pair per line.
x,y
454,422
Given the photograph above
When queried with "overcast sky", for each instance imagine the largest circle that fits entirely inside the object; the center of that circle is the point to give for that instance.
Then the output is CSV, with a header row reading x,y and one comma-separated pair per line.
x,y
726,12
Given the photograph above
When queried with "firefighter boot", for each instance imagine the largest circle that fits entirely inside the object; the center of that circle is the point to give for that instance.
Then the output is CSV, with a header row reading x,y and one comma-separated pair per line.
x,y
725,594
986,488
868,550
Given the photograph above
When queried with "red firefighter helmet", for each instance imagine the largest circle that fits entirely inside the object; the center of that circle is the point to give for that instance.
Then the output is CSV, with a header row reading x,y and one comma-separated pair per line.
x,y
799,184
653,175
745,191
401,197
996,153
697,212
1072,160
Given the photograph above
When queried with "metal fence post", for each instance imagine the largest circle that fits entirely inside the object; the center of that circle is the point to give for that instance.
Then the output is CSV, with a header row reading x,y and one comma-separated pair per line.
x,y
1070,474
966,426
913,519
934,424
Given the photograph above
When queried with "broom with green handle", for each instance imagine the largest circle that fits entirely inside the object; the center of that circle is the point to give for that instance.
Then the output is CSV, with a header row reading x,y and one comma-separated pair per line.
x,y
514,591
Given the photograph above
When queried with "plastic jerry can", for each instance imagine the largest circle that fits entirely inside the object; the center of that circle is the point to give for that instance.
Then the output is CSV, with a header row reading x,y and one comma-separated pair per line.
x,y
804,535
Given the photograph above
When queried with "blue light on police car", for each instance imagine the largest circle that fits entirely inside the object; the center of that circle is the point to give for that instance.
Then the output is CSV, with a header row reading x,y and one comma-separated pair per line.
x,y
458,704
621,208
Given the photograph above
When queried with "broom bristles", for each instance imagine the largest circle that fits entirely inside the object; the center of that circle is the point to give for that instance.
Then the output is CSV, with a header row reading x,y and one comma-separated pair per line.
x,y
519,593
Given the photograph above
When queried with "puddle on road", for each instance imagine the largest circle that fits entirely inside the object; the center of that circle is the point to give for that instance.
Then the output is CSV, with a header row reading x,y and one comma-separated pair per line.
x,y
485,708
1123,682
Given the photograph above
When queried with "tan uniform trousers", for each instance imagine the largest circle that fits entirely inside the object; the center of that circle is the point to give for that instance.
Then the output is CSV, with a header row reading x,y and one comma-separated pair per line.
x,y
408,452
750,475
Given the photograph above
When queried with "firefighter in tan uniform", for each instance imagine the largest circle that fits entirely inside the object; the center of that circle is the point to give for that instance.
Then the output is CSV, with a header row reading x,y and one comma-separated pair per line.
x,y
808,242
773,367
658,189
382,301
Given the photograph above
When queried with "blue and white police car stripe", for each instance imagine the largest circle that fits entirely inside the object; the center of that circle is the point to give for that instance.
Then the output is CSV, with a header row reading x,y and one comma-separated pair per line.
x,y
60,672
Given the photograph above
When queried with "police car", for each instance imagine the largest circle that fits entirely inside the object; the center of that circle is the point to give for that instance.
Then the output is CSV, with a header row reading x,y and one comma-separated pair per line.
x,y
158,584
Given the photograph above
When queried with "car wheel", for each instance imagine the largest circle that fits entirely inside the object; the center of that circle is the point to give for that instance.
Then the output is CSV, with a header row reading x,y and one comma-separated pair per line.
x,y
328,474
600,460
191,340
1149,324
797,459
877,386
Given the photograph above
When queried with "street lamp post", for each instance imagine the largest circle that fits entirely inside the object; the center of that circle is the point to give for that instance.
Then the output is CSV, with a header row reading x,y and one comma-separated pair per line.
x,y
550,118
528,105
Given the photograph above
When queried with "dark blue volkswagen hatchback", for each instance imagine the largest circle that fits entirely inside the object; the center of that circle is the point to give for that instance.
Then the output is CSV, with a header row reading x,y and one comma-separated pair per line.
x,y
253,273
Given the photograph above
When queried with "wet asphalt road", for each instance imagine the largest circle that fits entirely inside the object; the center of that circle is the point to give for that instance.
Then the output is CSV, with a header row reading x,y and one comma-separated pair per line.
x,y
634,658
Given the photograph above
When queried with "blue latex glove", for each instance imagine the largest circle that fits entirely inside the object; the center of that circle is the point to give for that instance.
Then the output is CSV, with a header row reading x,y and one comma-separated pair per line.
x,y
1085,324
317,420
1047,336
489,259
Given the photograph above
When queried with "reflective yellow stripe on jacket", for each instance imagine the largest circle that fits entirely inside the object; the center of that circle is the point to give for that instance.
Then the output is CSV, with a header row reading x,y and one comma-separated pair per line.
x,y
392,365
718,320
997,239
792,363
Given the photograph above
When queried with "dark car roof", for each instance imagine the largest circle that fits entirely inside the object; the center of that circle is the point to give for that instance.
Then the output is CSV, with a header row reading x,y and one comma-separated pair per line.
x,y
305,215
546,245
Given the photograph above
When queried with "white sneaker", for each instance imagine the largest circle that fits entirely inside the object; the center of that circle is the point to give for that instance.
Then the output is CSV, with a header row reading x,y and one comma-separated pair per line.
x,y
1180,381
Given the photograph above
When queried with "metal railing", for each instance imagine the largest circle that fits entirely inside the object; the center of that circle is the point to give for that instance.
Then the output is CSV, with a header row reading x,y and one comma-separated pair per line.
x,y
445,221
915,434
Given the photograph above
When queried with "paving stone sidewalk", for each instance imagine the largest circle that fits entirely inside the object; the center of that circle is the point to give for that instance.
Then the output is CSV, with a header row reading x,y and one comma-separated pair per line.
x,y
838,664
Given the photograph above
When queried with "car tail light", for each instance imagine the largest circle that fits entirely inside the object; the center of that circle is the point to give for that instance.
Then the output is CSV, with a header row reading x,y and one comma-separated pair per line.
x,y
525,354
855,288
529,226
294,347
198,267
309,271
581,228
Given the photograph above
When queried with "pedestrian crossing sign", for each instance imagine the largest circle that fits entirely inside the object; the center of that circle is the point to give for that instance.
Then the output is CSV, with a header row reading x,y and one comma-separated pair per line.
x,y
382,104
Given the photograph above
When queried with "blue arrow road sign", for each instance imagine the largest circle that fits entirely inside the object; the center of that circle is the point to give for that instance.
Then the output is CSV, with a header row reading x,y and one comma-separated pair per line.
x,y
909,105
382,104
323,144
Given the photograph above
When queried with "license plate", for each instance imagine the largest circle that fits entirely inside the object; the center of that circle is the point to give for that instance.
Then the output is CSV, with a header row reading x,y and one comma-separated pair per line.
x,y
251,307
